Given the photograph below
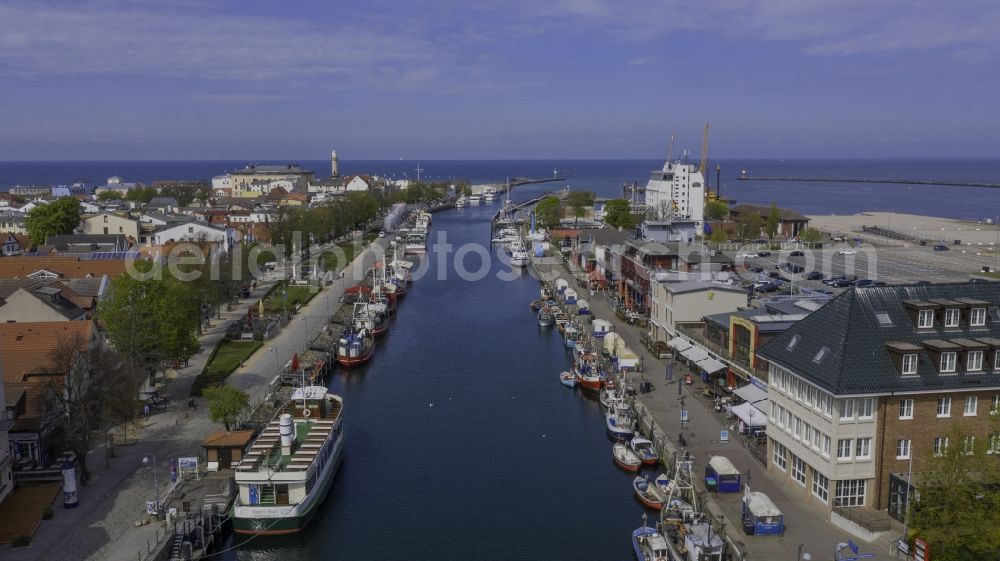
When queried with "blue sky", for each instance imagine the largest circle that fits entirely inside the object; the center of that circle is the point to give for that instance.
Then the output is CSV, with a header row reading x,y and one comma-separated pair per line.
x,y
453,79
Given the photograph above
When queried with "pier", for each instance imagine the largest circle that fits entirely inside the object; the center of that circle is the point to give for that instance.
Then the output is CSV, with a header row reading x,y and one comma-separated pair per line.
x,y
944,182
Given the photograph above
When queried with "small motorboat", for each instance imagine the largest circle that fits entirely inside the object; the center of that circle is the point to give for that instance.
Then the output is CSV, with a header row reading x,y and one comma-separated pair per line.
x,y
625,458
621,425
568,379
648,493
649,544
545,318
644,448
664,484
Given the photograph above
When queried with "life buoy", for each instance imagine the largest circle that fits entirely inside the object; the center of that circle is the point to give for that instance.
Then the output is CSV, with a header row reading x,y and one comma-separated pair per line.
x,y
306,413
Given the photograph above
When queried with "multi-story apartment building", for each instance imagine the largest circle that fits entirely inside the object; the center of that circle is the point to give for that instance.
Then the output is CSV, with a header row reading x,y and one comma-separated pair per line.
x,y
677,192
253,180
878,377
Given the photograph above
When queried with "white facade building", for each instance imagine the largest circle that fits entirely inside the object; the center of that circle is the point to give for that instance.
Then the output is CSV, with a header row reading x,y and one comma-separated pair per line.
x,y
677,192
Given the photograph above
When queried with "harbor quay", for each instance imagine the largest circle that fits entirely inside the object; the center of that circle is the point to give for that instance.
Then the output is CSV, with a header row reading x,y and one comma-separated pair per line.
x,y
659,413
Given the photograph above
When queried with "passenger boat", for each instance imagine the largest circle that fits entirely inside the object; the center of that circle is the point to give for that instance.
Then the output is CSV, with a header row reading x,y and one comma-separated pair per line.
x,y
289,469
519,258
545,317
474,200
461,202
620,422
625,458
649,544
355,347
568,379
416,243
644,448
648,493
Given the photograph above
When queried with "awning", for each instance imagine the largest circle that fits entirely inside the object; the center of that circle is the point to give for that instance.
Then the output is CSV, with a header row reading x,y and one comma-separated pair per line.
x,y
694,354
711,365
750,415
678,343
751,393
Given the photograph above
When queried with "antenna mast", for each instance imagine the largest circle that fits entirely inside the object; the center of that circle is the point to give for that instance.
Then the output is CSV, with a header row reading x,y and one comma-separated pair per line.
x,y
670,147
704,151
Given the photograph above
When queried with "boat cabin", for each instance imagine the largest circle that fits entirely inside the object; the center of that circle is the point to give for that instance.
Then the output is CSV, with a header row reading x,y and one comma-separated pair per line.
x,y
761,517
703,543
722,476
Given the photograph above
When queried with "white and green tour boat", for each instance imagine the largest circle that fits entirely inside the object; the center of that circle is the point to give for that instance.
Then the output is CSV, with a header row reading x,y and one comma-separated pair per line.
x,y
287,472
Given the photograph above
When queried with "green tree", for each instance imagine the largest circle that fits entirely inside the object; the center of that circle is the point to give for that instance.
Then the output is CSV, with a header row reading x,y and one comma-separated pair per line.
x,y
957,508
108,195
548,212
811,235
716,210
225,404
59,217
578,203
618,214
749,224
718,236
140,194
772,222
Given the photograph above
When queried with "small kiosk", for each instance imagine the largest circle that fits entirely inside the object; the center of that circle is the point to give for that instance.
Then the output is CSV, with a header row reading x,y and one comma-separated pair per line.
x,y
722,476
761,517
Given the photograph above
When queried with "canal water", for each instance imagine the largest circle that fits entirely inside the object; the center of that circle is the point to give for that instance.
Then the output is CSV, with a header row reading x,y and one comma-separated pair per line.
x,y
462,443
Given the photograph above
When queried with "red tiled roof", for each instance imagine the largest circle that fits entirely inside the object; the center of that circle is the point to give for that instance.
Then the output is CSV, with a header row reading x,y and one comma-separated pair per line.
x,y
28,348
223,439
69,266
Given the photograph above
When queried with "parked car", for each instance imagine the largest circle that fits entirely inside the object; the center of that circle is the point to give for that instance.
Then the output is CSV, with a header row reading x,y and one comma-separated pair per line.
x,y
757,270
774,275
815,275
839,238
797,253
847,251
842,283
764,253
941,247
748,256
860,283
793,268
921,282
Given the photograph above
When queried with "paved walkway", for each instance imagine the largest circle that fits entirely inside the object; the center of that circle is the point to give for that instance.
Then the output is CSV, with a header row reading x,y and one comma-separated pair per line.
x,y
103,526
806,523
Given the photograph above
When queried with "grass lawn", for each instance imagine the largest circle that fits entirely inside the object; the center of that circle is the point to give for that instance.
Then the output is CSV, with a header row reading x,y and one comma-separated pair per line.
x,y
294,295
369,237
329,259
225,359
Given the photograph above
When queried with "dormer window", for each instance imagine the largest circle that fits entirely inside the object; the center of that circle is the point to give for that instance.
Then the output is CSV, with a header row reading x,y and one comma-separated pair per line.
x,y
951,317
948,361
977,317
974,361
925,320
909,364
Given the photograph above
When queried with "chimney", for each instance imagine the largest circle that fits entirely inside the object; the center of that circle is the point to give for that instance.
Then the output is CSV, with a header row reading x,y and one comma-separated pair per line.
x,y
287,431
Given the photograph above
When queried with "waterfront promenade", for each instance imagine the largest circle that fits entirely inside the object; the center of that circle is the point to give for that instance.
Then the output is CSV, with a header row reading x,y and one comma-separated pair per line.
x,y
806,523
103,526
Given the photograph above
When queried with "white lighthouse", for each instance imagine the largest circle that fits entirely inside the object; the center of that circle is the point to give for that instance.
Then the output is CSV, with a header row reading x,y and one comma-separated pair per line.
x,y
334,171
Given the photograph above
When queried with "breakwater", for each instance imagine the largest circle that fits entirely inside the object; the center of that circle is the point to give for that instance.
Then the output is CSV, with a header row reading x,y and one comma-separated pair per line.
x,y
943,182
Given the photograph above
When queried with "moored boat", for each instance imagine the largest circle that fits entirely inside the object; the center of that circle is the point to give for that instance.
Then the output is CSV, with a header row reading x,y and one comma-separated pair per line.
x,y
289,468
568,379
536,305
643,447
648,493
519,258
649,544
355,347
625,458
545,317
620,424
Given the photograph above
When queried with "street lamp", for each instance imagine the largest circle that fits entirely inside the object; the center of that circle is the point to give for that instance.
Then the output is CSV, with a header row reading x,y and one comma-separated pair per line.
x,y
156,483
284,301
277,365
803,556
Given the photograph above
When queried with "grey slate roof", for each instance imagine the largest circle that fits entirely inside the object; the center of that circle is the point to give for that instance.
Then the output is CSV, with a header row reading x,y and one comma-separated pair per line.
x,y
857,361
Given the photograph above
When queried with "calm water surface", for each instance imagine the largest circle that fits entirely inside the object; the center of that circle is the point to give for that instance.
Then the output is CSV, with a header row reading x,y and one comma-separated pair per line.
x,y
462,443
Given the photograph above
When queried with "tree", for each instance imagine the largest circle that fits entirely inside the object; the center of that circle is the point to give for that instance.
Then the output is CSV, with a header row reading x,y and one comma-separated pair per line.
x,y
578,202
97,389
773,219
811,235
225,404
618,214
109,195
547,212
718,236
59,217
750,224
140,194
957,508
716,210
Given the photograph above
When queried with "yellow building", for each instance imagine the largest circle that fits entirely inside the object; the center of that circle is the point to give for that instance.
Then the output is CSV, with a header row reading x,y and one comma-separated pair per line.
x,y
255,181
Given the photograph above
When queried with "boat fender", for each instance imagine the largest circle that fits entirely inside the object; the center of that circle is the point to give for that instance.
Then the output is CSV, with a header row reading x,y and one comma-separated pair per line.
x,y
306,413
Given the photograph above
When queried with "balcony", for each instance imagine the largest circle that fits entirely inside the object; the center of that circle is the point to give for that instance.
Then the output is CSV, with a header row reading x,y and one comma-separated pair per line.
x,y
740,367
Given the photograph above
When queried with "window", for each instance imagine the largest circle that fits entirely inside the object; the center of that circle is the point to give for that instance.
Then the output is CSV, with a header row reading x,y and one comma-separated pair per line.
x,y
977,318
906,409
903,449
944,407
996,360
798,470
846,408
948,361
821,354
925,320
866,408
968,445
844,448
909,364
883,319
850,492
821,486
974,361
951,317
995,406
971,404
994,444
828,407
816,439
780,458
809,433
774,411
793,341
797,430
940,445
864,449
